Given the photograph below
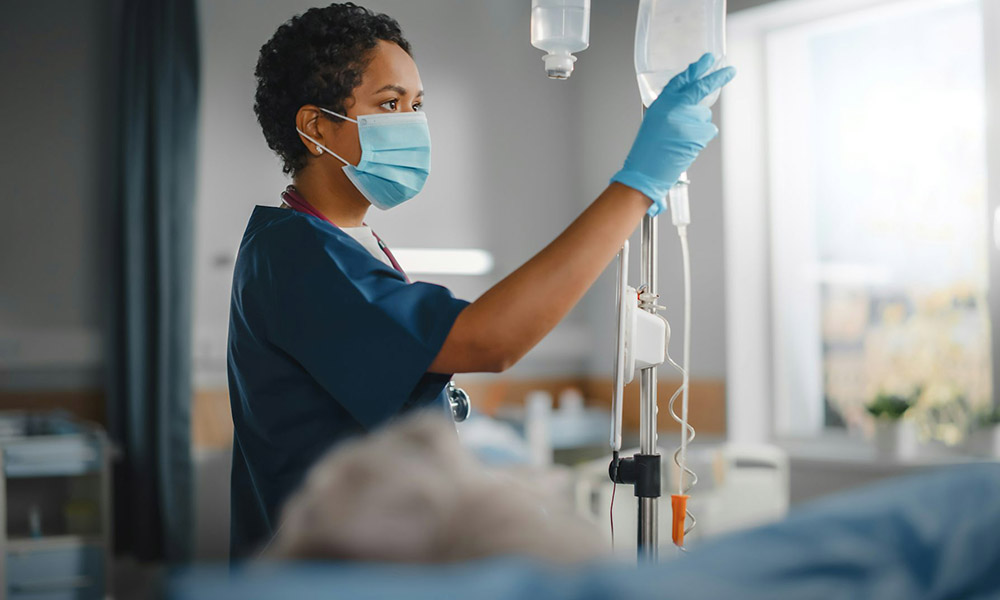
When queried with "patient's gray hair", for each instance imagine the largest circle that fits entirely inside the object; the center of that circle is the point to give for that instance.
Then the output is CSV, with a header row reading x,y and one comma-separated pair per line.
x,y
411,493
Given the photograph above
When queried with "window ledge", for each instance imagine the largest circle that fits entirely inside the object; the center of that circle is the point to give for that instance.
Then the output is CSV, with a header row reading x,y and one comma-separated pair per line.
x,y
835,450
836,462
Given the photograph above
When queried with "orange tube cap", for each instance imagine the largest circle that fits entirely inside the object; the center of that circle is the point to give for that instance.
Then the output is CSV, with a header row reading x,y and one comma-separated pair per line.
x,y
678,503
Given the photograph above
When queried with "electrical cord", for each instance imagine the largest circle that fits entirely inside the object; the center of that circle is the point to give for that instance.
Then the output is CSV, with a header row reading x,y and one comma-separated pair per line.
x,y
614,488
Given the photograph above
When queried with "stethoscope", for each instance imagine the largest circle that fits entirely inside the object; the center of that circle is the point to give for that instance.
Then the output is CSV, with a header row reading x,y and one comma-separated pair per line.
x,y
458,399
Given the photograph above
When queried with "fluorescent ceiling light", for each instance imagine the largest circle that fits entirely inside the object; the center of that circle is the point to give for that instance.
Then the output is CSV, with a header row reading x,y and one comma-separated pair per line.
x,y
441,261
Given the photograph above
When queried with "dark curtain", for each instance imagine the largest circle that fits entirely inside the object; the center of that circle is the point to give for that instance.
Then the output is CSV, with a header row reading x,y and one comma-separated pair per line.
x,y
149,388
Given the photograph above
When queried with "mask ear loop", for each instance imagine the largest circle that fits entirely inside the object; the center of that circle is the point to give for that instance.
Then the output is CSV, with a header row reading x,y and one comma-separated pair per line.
x,y
337,114
320,146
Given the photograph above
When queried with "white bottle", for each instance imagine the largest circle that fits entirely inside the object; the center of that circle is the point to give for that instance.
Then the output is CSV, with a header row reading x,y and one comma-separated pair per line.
x,y
560,27
537,423
670,35
571,402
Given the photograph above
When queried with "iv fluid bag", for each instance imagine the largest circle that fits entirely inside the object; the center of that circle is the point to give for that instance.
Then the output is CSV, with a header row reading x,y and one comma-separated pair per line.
x,y
672,34
560,27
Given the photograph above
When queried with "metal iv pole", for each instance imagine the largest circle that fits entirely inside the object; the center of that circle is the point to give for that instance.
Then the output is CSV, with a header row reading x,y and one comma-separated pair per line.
x,y
642,470
648,498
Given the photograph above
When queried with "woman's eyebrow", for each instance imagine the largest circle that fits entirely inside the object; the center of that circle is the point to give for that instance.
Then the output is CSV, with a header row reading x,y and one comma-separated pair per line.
x,y
392,87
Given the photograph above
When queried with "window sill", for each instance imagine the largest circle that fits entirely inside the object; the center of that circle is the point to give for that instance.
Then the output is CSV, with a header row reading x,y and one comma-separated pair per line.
x,y
834,462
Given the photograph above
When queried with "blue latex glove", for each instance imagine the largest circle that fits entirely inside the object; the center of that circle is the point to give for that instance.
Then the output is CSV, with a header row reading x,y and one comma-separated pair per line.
x,y
673,132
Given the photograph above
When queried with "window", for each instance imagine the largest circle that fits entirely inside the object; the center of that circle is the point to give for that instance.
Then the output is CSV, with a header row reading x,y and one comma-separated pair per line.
x,y
874,186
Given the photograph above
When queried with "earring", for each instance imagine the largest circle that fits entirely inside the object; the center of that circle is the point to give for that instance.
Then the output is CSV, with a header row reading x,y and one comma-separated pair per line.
x,y
319,151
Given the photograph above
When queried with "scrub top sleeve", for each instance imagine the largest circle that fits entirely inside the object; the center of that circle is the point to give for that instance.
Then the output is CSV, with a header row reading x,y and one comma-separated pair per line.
x,y
363,333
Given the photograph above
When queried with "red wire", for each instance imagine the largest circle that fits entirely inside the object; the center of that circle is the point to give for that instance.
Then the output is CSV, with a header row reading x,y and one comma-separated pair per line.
x,y
611,512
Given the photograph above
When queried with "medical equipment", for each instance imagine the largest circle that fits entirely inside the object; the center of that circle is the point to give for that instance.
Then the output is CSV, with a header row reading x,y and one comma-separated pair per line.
x,y
55,507
458,399
674,130
670,34
641,343
667,33
560,27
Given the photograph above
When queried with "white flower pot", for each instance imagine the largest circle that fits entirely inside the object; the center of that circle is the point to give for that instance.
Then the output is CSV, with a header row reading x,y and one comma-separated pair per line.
x,y
985,441
895,439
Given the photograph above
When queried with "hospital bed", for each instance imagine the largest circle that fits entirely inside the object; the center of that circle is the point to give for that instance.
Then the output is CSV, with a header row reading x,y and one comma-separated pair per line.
x,y
935,535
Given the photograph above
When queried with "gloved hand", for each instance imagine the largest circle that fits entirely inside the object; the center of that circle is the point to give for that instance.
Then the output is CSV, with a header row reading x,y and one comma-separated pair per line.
x,y
673,132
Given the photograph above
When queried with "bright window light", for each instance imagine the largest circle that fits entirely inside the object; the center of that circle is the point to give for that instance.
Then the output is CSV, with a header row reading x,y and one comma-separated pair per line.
x,y
879,254
441,261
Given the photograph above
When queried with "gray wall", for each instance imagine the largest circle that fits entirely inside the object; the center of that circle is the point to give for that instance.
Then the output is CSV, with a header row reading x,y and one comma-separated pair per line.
x,y
54,122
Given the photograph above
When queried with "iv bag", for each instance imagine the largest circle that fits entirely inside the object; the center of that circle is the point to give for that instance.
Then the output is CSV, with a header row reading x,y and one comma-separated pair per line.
x,y
560,27
672,34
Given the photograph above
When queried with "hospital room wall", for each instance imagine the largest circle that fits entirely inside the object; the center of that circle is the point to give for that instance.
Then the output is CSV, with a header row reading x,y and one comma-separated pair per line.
x,y
55,62
505,176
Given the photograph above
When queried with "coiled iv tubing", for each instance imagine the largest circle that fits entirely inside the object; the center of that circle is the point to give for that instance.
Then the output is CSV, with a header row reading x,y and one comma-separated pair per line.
x,y
687,431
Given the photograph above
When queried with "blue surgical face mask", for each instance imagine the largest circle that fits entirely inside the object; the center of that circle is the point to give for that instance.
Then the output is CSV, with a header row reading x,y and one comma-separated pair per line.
x,y
395,156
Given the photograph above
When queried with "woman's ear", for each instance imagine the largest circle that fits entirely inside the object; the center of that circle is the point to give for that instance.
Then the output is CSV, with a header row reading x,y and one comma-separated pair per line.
x,y
307,121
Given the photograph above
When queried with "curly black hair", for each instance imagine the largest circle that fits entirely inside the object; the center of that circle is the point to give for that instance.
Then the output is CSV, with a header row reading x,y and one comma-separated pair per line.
x,y
316,58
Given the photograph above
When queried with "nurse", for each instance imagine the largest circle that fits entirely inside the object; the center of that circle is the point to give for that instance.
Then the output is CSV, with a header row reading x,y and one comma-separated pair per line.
x,y
328,338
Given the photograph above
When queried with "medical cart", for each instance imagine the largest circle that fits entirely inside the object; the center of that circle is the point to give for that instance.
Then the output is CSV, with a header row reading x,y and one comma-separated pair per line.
x,y
55,506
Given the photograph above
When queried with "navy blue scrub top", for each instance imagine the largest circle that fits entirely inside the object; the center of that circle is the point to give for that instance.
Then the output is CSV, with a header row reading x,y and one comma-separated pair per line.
x,y
325,342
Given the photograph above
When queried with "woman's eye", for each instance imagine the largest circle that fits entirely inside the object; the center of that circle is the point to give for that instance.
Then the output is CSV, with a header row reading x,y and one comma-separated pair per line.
x,y
418,106
390,104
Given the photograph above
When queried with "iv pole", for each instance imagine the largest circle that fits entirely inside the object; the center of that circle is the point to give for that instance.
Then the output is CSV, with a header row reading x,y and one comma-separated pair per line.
x,y
648,521
642,470
648,499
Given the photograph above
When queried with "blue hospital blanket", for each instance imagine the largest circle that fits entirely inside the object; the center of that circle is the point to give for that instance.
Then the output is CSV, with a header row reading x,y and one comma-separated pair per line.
x,y
935,535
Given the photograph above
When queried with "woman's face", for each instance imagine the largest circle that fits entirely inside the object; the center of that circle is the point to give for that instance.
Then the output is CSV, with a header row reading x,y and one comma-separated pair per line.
x,y
390,83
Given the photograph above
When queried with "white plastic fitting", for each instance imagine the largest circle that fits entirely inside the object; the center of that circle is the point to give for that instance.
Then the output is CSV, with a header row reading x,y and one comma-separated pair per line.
x,y
645,337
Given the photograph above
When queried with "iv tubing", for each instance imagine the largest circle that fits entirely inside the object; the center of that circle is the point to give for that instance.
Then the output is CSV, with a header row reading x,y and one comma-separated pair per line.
x,y
685,427
681,214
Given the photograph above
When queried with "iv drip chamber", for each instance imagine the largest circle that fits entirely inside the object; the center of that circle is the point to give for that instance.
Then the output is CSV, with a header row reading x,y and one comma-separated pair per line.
x,y
560,27
672,34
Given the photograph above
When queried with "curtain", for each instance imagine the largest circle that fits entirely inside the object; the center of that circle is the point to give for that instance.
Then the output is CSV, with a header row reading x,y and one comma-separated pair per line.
x,y
149,366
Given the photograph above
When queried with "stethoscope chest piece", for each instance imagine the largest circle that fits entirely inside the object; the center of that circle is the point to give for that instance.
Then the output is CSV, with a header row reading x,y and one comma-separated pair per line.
x,y
459,401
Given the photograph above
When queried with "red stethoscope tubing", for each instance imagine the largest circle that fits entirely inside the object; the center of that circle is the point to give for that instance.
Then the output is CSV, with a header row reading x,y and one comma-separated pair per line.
x,y
292,198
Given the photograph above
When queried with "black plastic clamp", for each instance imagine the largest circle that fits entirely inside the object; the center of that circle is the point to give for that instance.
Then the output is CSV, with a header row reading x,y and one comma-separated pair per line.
x,y
641,470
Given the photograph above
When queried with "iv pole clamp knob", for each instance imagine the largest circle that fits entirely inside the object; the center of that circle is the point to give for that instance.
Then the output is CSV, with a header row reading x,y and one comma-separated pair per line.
x,y
641,471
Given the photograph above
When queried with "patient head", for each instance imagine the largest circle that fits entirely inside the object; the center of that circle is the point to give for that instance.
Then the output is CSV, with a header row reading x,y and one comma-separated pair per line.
x,y
412,493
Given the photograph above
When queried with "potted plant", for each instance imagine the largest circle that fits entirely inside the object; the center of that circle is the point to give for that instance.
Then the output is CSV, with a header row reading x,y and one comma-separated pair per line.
x,y
985,437
895,437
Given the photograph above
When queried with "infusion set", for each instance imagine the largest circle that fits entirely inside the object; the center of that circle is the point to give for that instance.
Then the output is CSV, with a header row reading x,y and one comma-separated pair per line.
x,y
670,35
560,27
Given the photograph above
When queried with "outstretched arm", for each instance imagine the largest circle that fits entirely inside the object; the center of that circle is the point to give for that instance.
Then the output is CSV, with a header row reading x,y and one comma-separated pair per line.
x,y
495,331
